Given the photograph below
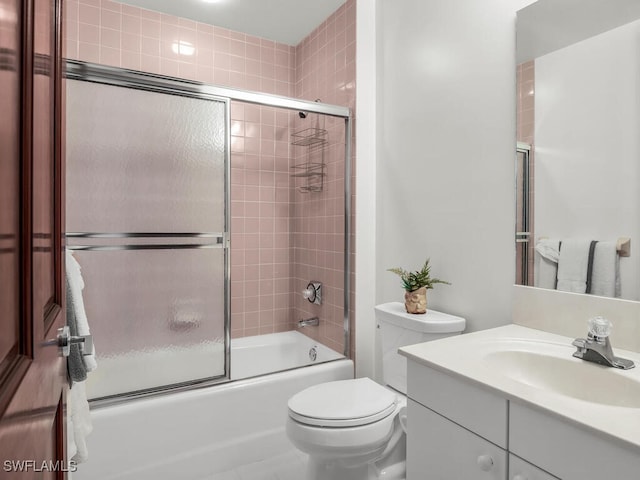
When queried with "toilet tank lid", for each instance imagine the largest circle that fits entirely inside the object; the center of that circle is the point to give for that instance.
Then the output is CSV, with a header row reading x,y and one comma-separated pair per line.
x,y
430,322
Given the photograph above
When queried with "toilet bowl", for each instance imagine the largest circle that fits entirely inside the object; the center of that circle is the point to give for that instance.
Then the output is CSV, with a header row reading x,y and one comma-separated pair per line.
x,y
348,428
356,429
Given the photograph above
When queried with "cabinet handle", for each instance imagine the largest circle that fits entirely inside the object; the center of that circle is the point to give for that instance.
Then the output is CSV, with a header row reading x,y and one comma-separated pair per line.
x,y
485,462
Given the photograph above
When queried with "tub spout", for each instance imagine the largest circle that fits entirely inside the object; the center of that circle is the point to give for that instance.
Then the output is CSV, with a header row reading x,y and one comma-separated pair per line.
x,y
309,322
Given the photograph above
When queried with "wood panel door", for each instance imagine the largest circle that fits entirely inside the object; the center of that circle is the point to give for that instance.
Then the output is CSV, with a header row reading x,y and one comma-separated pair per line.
x,y
32,375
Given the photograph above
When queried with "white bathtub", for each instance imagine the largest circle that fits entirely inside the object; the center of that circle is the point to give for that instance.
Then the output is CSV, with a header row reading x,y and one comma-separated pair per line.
x,y
194,434
274,352
250,356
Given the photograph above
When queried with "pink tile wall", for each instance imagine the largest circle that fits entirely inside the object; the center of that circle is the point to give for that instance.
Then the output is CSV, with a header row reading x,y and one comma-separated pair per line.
x,y
325,70
268,218
326,59
260,212
111,33
525,74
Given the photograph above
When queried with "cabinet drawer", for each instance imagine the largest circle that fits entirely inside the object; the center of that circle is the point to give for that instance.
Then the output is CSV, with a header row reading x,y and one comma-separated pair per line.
x,y
521,470
476,409
566,450
438,449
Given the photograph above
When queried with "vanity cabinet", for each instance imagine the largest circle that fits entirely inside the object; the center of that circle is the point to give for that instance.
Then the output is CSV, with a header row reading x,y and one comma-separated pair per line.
x,y
439,449
521,470
459,430
568,450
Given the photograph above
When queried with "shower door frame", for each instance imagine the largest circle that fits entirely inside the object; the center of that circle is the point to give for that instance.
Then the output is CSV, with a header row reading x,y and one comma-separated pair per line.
x,y
115,76
523,235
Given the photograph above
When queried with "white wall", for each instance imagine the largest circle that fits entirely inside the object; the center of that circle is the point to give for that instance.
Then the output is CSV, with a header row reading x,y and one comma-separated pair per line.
x,y
365,227
587,155
445,169
435,168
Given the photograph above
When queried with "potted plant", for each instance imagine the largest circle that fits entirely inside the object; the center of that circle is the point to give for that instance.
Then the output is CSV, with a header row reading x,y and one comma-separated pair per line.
x,y
416,285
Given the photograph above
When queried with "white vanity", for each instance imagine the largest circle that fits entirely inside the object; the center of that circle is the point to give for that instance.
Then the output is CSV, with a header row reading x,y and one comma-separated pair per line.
x,y
512,403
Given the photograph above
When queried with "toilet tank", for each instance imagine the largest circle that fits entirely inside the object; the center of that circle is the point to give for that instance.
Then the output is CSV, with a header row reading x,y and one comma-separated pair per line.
x,y
397,328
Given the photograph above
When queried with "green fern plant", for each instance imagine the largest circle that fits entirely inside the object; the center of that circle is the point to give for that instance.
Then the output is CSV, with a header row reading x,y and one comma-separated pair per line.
x,y
412,281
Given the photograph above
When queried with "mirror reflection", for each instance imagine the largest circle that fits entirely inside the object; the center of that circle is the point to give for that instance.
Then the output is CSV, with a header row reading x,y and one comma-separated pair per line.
x,y
578,151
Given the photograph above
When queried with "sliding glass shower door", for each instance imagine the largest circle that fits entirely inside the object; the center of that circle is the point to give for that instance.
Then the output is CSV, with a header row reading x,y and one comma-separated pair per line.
x,y
147,220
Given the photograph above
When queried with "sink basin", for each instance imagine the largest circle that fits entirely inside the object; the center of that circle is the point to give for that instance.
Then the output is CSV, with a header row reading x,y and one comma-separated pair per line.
x,y
552,368
533,368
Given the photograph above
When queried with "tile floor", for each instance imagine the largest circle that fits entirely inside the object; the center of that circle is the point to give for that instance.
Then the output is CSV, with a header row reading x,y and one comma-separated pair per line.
x,y
288,466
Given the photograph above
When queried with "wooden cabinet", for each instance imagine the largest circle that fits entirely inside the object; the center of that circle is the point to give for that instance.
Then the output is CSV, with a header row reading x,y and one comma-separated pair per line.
x,y
460,430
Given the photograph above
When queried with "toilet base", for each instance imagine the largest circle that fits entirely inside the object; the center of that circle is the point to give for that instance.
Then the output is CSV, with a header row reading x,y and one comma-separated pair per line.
x,y
326,471
319,470
391,467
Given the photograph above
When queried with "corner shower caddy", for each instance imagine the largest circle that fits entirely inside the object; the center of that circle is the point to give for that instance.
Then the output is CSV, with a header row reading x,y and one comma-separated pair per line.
x,y
313,168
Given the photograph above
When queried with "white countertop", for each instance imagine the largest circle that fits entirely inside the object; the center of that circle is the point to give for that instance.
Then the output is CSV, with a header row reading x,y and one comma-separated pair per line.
x,y
465,356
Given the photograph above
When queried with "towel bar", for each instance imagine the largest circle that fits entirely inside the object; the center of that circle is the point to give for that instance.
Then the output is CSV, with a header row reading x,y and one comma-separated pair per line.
x,y
175,246
143,234
217,240
623,245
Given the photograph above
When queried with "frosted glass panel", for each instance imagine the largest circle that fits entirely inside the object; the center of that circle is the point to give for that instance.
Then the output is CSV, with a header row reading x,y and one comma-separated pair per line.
x,y
153,163
157,317
140,161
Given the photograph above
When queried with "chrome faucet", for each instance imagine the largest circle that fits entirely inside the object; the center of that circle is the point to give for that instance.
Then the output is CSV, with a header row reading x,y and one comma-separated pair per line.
x,y
309,322
597,347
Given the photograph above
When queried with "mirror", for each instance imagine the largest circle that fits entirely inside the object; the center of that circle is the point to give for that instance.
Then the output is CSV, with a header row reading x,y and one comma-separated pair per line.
x,y
578,152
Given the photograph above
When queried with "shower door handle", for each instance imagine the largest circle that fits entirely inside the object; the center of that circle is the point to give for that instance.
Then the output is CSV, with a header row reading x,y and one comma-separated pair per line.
x,y
64,340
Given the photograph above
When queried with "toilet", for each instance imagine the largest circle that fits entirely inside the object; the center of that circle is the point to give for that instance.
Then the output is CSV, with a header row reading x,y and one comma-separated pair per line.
x,y
356,429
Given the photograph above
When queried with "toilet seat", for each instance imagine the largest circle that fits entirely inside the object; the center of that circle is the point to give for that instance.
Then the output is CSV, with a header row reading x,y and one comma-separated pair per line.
x,y
343,403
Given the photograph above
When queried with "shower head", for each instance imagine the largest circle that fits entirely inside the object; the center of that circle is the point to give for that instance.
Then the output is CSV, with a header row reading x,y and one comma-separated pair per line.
x,y
304,114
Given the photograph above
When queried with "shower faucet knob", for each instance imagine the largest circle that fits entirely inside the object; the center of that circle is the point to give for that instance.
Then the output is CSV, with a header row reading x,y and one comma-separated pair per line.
x,y
313,292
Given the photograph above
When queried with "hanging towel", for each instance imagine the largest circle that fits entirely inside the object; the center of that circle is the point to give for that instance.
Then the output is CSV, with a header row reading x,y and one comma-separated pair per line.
x,y
75,364
76,284
78,420
546,263
549,249
573,265
606,270
79,424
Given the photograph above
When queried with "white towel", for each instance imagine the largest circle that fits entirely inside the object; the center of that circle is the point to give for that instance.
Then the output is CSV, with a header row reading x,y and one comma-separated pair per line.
x,y
79,424
572,265
549,249
76,285
605,278
546,263
79,421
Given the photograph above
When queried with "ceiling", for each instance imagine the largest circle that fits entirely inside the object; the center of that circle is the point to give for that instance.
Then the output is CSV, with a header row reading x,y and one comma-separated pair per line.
x,y
548,25
284,21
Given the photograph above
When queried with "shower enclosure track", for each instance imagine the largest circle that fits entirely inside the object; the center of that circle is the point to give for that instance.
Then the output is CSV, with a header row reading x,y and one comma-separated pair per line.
x,y
142,234
217,241
160,246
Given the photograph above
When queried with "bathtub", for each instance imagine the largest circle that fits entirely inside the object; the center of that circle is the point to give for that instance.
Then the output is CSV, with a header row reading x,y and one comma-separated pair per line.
x,y
194,434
